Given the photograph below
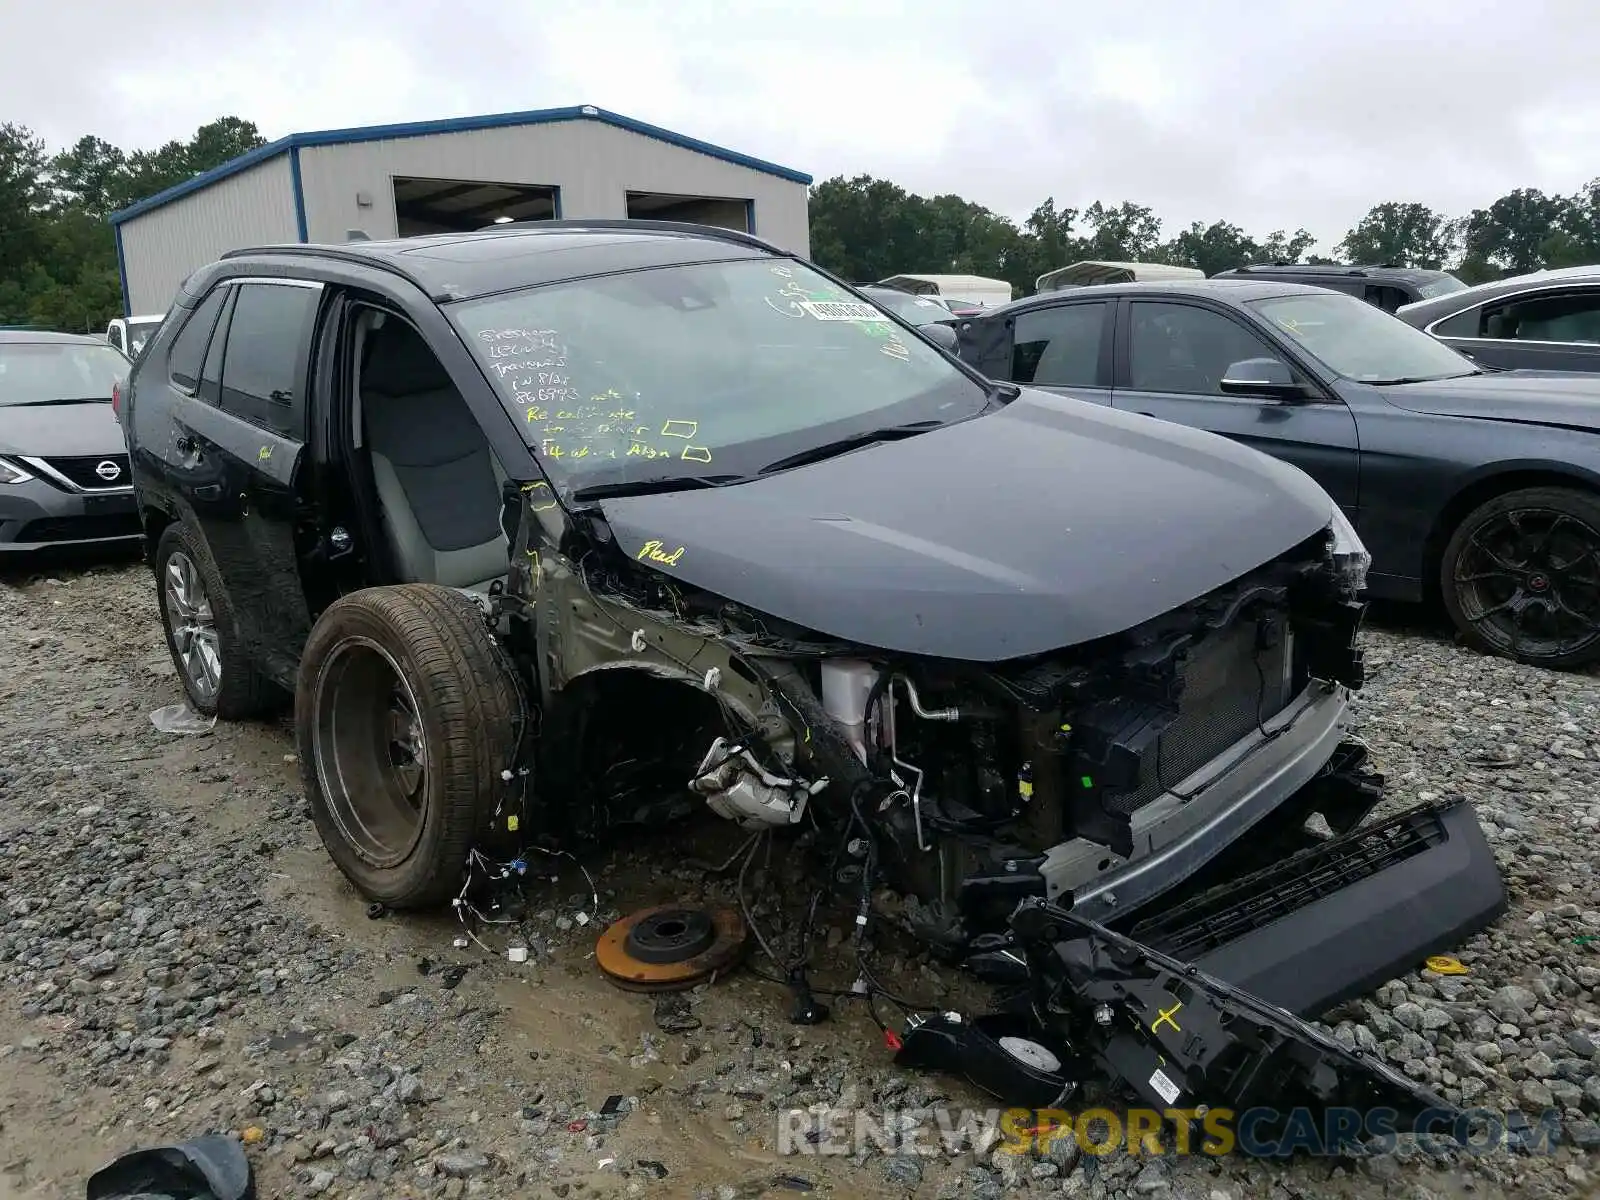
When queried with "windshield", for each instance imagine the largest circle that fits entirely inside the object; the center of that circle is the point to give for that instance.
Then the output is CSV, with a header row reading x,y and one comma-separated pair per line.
x,y
1359,341
1441,286
41,372
913,310
709,370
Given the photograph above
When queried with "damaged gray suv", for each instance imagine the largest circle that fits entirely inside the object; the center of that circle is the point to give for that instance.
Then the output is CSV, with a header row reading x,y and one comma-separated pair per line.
x,y
557,528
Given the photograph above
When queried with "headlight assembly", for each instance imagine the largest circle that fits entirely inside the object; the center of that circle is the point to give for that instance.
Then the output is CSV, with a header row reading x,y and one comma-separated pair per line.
x,y
11,473
1350,557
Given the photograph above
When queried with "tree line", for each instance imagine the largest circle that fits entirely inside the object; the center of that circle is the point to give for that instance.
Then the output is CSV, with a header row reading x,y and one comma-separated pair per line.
x,y
58,262
866,229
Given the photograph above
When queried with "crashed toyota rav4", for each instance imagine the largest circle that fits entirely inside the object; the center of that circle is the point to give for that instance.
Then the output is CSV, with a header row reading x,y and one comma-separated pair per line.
x,y
558,528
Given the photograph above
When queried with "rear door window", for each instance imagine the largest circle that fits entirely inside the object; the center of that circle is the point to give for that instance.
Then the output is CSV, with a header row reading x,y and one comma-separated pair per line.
x,y
1059,346
1566,317
264,362
189,347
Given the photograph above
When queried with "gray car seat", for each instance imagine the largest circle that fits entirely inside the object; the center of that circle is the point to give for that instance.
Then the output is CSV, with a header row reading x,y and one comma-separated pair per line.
x,y
438,484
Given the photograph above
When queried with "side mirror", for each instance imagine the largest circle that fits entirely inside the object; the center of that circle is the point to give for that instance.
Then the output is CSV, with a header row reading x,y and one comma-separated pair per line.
x,y
1262,377
941,336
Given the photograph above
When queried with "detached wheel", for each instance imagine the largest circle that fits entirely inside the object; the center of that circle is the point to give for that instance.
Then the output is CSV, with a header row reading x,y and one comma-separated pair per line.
x,y
1520,577
405,717
196,614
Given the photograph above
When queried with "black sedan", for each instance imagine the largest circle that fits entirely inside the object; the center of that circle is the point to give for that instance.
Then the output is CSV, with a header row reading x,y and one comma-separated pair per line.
x,y
1547,321
1480,488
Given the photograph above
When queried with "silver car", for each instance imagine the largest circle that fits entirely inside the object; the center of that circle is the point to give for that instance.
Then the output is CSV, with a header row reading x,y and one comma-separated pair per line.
x,y
64,478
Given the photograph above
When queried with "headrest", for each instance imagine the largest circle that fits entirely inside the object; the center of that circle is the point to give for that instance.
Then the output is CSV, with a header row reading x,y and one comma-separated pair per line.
x,y
399,363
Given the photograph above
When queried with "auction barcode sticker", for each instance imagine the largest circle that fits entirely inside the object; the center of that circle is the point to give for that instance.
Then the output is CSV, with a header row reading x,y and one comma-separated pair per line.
x,y
841,310
1164,1087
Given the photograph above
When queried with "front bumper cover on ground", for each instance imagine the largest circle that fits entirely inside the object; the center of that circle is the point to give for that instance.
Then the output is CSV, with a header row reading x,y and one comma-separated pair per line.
x,y
1197,1006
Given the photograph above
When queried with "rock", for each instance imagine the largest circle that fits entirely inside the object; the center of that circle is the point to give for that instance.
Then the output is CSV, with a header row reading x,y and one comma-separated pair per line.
x,y
903,1169
319,1182
462,1164
1536,1094
1512,1002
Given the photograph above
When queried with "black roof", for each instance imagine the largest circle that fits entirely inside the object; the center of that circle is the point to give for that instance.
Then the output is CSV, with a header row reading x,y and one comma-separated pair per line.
x,y
459,266
1409,274
47,336
1234,290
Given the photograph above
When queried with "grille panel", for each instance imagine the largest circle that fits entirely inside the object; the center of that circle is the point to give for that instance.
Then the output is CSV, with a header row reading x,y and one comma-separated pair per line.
x,y
81,470
1223,698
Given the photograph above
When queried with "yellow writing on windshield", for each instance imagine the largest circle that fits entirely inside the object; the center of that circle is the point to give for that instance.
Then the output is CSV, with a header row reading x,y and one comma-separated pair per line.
x,y
653,552
680,429
700,454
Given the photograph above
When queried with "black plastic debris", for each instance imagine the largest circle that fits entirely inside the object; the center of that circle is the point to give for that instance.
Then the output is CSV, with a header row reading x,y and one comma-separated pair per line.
x,y
211,1167
658,1169
452,976
611,1105
376,911
673,1014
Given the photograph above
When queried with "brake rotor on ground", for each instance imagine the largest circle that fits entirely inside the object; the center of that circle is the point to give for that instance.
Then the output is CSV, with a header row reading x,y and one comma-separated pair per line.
x,y
670,948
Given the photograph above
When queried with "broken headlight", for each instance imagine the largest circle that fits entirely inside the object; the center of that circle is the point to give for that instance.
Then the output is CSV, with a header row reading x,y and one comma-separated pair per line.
x,y
1350,557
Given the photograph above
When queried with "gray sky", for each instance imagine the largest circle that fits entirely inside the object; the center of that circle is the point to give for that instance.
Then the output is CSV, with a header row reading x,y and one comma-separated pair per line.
x,y
1269,115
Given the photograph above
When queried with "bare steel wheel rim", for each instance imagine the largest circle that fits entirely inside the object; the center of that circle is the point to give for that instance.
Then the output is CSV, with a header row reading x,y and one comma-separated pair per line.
x,y
1528,581
193,626
370,751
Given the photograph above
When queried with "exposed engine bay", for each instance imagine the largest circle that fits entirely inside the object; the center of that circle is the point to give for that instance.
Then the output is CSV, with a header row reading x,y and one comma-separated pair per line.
x,y
1182,798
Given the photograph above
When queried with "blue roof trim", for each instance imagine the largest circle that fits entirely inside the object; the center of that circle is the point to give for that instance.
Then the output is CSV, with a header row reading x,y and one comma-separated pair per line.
x,y
122,273
299,193
379,133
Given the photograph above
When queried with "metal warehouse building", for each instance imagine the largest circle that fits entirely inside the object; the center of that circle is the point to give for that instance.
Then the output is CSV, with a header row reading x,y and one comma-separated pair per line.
x,y
437,176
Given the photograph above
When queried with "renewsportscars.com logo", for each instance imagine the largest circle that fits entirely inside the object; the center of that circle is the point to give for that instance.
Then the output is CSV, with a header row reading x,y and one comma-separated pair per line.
x,y
1215,1132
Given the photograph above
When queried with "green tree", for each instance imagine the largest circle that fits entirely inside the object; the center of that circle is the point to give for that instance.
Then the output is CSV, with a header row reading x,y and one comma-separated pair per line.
x,y
1400,235
1514,234
1127,233
1218,246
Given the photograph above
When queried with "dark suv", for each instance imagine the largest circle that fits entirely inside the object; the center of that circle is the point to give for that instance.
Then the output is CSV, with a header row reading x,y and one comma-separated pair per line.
x,y
1387,287
563,527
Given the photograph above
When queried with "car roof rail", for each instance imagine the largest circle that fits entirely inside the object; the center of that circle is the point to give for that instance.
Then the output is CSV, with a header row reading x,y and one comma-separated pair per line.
x,y
637,225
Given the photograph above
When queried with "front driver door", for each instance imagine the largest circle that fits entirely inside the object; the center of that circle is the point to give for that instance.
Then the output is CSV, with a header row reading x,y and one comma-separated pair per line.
x,y
1171,358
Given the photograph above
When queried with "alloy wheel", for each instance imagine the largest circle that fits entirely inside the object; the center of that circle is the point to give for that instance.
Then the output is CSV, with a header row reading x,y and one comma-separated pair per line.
x,y
1528,581
193,626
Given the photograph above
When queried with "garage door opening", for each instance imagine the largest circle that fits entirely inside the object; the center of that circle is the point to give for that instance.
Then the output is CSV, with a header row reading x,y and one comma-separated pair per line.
x,y
424,206
699,210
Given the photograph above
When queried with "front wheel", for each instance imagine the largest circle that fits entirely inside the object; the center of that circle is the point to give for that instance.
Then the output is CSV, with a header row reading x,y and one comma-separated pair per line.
x,y
1520,577
406,716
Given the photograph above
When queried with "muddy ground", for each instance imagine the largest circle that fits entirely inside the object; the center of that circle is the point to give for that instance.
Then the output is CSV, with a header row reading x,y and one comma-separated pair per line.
x,y
178,955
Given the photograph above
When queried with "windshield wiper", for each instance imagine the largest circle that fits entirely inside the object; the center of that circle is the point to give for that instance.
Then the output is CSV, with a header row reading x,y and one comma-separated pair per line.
x,y
854,441
1423,379
652,487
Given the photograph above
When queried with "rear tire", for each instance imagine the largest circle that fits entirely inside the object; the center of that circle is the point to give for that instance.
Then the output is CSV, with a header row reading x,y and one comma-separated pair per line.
x,y
1520,577
202,635
406,716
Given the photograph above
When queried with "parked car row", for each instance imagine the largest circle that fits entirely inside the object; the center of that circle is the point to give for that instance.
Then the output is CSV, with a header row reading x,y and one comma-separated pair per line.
x,y
1479,487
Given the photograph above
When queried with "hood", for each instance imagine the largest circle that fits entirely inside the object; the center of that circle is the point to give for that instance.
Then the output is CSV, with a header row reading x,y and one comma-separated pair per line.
x,y
1527,397
61,430
1043,525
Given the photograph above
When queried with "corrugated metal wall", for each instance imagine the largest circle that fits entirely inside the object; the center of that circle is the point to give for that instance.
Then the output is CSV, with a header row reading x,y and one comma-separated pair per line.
x,y
595,165
162,247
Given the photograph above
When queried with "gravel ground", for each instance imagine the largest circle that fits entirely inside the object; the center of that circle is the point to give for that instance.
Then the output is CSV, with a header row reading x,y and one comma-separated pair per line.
x,y
178,955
